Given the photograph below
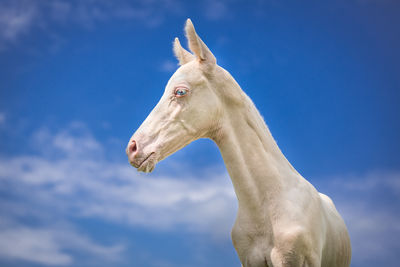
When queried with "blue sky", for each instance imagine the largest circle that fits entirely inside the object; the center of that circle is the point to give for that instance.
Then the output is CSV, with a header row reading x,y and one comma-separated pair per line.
x,y
78,77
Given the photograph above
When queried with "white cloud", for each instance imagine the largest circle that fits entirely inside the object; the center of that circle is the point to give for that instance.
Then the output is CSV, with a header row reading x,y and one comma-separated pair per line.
x,y
75,140
216,10
15,20
168,66
60,183
48,245
35,246
20,17
115,191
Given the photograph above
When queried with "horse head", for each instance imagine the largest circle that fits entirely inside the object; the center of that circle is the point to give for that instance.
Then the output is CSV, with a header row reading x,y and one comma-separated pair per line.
x,y
189,109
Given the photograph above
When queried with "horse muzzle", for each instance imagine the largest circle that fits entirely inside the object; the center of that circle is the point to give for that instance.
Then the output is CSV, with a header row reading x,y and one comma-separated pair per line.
x,y
143,162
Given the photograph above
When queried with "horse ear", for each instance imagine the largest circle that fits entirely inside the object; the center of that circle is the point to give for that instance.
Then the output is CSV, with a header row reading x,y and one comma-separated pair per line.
x,y
182,54
197,46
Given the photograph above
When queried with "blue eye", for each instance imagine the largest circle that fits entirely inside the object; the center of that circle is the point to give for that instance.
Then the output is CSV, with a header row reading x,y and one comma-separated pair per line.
x,y
179,92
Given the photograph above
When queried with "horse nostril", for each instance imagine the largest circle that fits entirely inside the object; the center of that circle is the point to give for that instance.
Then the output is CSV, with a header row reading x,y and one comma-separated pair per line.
x,y
133,147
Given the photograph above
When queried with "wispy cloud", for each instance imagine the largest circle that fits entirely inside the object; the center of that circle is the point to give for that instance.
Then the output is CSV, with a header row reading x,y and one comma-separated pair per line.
x,y
64,184
15,20
168,66
48,244
21,17
115,190
216,10
36,246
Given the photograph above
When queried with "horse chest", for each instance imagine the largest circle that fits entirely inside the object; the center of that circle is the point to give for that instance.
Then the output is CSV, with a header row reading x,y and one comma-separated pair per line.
x,y
252,241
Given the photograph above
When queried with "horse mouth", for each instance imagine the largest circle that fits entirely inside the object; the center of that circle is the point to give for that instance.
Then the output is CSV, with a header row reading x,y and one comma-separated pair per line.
x,y
148,163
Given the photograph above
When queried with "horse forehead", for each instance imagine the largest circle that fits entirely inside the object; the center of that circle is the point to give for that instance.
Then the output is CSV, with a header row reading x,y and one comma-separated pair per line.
x,y
188,72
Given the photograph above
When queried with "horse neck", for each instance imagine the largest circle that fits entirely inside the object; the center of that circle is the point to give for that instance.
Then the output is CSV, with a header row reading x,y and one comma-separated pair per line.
x,y
258,169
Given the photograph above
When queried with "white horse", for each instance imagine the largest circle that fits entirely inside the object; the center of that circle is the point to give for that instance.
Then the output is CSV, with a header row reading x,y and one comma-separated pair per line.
x,y
282,220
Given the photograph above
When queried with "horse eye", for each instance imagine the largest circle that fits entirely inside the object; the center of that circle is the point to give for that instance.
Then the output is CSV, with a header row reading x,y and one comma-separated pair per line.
x,y
180,92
